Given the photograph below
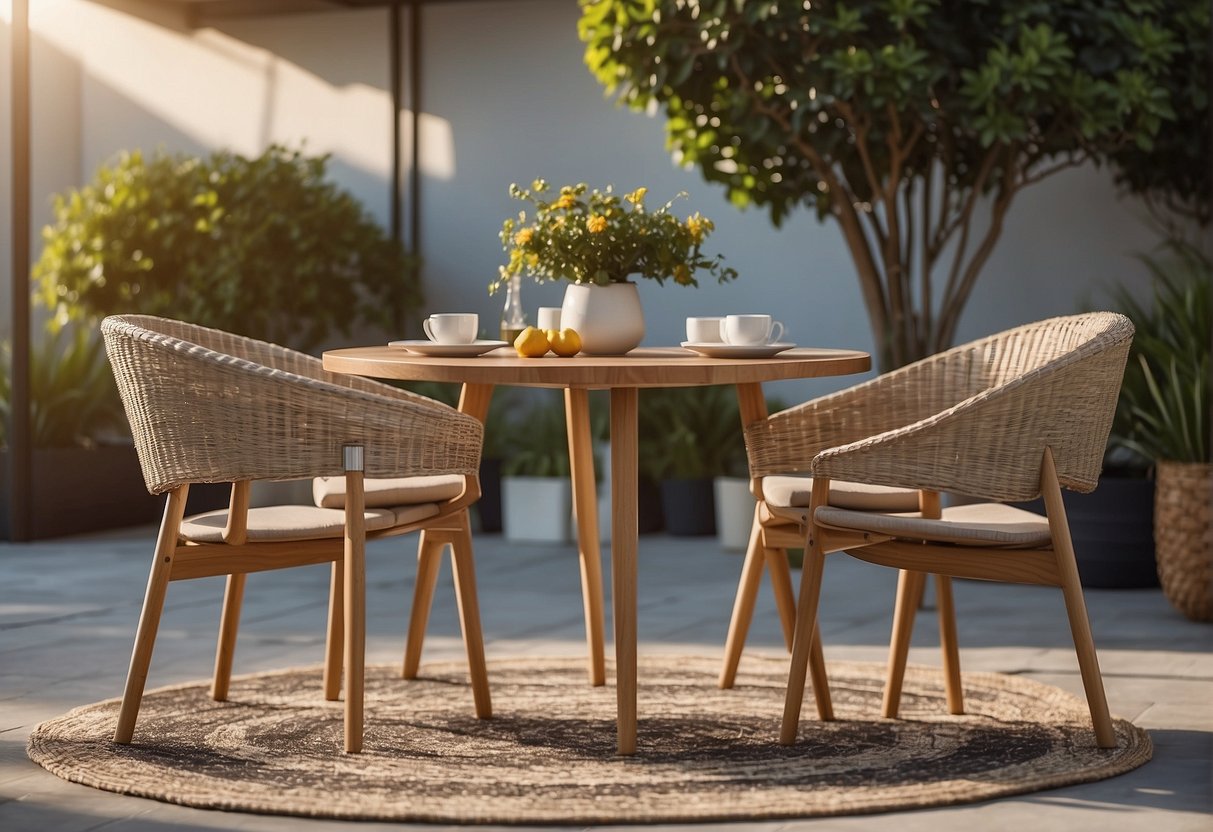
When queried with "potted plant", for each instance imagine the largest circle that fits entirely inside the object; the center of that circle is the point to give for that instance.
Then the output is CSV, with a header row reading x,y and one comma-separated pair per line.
x,y
695,434
536,494
85,475
1164,419
597,240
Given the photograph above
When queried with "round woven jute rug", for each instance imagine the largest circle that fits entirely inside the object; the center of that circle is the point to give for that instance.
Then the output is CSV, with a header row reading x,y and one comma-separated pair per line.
x,y
547,755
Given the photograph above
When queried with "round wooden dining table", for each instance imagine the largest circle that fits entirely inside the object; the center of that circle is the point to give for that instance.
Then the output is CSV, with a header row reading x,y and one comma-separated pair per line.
x,y
623,375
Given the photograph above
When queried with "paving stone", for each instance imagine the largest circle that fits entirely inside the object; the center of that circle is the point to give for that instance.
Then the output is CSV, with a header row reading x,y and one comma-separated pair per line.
x,y
65,640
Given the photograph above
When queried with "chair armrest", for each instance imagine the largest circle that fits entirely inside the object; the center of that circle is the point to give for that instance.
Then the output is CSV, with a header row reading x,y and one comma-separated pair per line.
x,y
788,441
991,445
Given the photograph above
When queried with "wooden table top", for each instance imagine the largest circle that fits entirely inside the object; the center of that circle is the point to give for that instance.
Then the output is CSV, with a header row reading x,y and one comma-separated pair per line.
x,y
643,367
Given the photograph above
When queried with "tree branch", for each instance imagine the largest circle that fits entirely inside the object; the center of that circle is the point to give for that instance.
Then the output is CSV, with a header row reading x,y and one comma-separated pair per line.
x,y
842,201
965,218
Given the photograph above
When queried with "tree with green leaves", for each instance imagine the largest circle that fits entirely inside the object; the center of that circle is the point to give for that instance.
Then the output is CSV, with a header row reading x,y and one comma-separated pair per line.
x,y
1174,174
912,123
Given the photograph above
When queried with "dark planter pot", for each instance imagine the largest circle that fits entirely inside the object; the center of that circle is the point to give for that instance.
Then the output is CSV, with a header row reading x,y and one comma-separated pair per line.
x,y
1113,533
650,517
488,507
689,506
78,490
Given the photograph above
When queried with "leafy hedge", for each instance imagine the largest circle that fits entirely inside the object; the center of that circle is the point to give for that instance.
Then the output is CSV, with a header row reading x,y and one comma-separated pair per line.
x,y
265,247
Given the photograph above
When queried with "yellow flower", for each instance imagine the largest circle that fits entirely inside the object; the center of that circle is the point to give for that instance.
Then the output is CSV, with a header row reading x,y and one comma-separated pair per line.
x,y
596,224
565,202
637,196
696,225
682,274
524,236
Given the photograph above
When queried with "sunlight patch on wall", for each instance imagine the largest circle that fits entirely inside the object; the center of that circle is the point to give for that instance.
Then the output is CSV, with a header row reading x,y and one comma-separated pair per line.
x,y
223,92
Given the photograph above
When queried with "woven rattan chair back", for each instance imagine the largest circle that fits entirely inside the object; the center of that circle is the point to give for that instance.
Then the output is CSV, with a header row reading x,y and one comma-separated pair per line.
x,y
209,406
1053,383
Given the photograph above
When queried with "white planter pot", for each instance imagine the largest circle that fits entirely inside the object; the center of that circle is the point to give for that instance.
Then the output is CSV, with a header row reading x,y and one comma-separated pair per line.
x,y
537,509
734,512
286,493
609,318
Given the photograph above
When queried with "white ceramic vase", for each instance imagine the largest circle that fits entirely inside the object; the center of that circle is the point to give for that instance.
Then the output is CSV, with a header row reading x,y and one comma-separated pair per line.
x,y
608,318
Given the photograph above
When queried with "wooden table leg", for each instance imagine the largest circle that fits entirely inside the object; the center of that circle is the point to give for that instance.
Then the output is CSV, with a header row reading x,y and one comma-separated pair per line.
x,y
585,510
474,400
623,558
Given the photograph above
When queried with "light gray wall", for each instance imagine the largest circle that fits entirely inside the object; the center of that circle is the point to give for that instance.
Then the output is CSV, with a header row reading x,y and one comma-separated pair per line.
x,y
505,98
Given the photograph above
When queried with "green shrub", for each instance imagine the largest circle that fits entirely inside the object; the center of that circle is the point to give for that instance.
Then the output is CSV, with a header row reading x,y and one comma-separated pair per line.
x,y
264,247
1163,412
73,399
536,444
690,432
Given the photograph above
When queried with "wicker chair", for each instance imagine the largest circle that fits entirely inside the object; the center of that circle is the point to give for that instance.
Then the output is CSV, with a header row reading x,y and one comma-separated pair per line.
x,y
1006,418
208,406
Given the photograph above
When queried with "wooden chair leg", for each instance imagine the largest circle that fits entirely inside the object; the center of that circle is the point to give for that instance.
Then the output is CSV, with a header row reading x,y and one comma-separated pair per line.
x,y
781,585
1076,607
335,633
817,671
743,605
149,619
229,624
806,619
355,600
949,644
429,559
469,616
909,592
585,510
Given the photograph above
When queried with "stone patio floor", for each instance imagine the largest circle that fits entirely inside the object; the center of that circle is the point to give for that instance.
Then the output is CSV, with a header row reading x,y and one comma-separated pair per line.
x,y
68,610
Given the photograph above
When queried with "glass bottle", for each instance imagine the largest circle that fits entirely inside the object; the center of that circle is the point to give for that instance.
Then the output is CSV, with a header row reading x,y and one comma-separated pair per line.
x,y
513,319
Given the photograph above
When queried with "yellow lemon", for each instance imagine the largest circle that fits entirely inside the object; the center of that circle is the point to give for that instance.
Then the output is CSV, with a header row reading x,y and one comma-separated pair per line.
x,y
531,343
566,342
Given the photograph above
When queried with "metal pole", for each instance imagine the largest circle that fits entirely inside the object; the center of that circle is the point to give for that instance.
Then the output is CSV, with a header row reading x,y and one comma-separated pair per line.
x,y
19,474
415,106
396,62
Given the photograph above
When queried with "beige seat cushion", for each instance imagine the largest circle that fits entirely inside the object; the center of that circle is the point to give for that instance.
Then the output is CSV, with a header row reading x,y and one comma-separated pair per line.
x,y
980,524
284,523
795,491
787,497
329,492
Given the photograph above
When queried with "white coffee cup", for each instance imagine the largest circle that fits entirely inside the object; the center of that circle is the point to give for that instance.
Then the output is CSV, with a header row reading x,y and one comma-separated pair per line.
x,y
704,330
549,317
452,327
750,330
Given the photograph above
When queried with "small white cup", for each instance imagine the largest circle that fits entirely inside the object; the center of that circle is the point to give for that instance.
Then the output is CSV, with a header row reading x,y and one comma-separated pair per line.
x,y
549,317
452,327
704,330
750,330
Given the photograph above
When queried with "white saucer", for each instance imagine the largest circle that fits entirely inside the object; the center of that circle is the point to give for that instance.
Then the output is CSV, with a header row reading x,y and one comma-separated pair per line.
x,y
721,350
449,350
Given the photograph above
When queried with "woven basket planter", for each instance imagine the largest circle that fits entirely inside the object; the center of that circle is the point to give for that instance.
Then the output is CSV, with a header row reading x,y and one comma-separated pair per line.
x,y
1183,536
